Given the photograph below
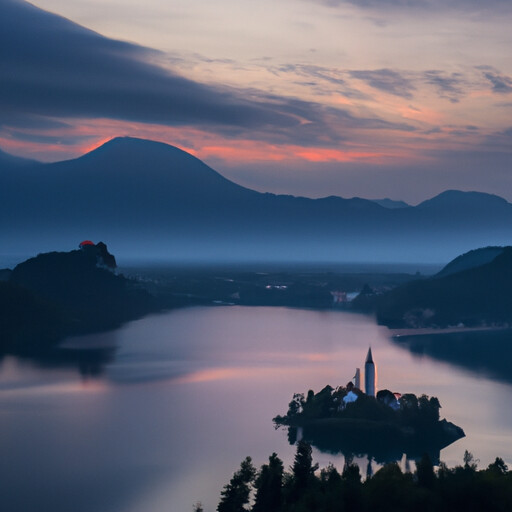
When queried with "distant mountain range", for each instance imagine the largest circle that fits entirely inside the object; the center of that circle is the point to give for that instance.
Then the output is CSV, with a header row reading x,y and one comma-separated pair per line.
x,y
390,203
150,200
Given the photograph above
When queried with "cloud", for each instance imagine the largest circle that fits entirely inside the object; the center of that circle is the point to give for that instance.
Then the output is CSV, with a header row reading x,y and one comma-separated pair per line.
x,y
52,66
500,141
323,79
41,138
311,70
53,69
449,86
426,6
386,80
501,84
411,180
398,82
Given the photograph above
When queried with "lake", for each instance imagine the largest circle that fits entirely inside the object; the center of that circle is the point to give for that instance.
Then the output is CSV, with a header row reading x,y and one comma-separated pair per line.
x,y
165,418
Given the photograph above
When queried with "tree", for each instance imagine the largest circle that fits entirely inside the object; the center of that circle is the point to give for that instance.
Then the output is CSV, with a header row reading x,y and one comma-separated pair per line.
x,y
498,467
295,406
425,472
470,463
409,402
351,472
390,490
269,486
235,495
303,470
434,407
429,408
352,487
330,491
330,477
303,467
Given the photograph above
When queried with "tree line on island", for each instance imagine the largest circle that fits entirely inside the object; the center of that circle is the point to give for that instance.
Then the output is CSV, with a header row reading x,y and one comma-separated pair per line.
x,y
386,406
346,420
305,489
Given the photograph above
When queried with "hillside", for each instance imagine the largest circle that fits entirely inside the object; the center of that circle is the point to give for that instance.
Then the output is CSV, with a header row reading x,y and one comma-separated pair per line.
x,y
64,293
477,296
474,258
153,201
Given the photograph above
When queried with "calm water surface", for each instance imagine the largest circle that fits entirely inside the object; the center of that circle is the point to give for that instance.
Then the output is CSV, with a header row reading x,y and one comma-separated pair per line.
x,y
188,394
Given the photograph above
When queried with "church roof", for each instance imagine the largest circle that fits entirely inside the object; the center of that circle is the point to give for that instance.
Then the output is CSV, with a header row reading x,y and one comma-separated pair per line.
x,y
369,358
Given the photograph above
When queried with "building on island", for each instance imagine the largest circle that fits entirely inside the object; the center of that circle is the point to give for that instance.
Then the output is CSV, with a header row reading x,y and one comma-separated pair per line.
x,y
357,379
354,386
370,374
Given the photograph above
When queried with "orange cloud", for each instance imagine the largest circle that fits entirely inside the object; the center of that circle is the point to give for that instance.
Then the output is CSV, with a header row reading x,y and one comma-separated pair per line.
x,y
82,136
215,374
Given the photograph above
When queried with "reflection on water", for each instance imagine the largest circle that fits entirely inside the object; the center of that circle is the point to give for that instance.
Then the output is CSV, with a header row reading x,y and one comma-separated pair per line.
x,y
172,403
89,355
484,352
382,444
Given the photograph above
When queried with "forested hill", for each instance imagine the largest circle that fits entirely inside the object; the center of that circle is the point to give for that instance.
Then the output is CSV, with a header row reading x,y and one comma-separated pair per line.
x,y
63,293
471,259
478,296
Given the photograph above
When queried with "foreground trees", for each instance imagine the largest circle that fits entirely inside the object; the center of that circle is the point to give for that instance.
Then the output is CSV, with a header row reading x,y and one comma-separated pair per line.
x,y
235,495
305,489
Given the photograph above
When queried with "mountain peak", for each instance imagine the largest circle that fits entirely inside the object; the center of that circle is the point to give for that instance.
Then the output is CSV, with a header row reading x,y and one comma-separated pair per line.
x,y
136,155
122,145
451,198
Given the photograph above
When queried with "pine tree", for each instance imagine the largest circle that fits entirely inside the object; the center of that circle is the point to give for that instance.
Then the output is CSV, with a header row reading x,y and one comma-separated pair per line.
x,y
302,471
235,495
425,472
269,486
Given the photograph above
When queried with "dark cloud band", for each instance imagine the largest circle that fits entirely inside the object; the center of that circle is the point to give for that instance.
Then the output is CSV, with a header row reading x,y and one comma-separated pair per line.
x,y
54,68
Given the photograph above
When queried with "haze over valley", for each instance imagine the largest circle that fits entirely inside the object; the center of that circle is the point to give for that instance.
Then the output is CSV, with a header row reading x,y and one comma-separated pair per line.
x,y
154,202
211,212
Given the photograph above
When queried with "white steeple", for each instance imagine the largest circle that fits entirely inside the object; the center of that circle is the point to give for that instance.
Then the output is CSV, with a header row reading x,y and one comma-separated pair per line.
x,y
357,379
370,374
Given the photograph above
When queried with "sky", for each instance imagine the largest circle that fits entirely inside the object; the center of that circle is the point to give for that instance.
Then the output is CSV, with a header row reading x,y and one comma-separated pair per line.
x,y
369,98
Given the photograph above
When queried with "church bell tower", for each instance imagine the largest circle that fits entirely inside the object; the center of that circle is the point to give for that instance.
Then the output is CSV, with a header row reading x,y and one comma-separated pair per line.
x,y
370,374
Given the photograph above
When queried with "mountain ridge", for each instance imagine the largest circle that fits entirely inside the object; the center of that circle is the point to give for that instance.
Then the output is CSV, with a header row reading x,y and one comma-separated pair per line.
x,y
136,146
151,199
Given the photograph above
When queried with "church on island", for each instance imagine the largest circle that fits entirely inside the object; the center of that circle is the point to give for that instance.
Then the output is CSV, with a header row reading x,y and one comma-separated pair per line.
x,y
380,423
370,382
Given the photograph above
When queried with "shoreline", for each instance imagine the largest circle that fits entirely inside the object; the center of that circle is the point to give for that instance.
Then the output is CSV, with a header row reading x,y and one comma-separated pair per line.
x,y
421,331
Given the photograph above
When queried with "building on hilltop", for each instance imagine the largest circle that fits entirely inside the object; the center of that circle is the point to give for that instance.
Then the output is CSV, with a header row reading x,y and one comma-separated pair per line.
x,y
100,251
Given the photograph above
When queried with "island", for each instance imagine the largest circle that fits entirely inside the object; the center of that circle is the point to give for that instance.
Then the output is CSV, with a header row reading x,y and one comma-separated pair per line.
x,y
383,426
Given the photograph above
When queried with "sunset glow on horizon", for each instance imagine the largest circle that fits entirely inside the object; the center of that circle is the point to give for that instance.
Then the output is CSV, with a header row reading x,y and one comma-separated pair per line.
x,y
269,94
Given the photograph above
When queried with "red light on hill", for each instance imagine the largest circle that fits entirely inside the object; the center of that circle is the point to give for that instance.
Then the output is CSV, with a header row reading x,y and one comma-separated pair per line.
x,y
85,242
